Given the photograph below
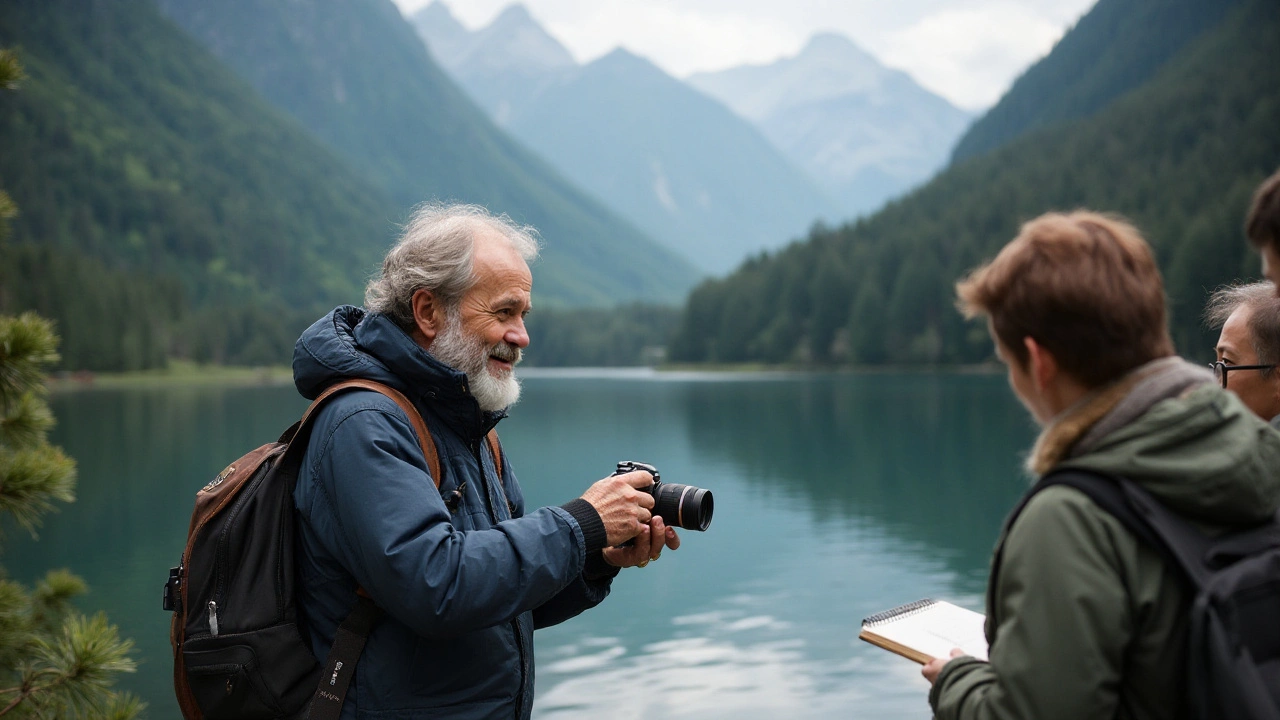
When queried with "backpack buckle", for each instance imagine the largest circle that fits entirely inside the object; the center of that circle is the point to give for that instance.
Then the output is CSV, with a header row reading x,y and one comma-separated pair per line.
x,y
172,597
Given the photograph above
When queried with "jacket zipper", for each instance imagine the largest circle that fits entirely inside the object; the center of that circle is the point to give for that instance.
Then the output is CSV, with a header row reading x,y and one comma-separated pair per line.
x,y
524,662
515,624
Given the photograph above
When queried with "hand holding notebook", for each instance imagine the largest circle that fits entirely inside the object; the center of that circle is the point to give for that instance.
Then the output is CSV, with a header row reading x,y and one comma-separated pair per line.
x,y
927,629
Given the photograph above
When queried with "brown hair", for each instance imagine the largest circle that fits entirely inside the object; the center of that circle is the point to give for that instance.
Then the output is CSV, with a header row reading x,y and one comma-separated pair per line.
x,y
1264,316
1084,286
1262,226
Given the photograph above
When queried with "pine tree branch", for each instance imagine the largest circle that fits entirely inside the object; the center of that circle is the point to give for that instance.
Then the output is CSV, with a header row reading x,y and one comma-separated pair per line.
x,y
30,480
27,344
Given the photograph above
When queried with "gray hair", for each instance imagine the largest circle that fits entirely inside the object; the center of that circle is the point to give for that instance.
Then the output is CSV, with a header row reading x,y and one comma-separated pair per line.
x,y
435,253
1264,319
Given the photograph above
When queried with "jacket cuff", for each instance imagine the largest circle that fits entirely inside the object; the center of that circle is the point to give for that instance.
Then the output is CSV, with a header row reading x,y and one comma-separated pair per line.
x,y
593,532
596,569
953,666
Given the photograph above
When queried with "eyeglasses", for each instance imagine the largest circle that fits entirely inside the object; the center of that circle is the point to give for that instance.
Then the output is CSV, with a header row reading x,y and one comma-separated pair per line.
x,y
1220,370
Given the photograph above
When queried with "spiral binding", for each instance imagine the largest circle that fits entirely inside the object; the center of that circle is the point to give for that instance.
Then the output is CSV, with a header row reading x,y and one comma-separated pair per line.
x,y
901,611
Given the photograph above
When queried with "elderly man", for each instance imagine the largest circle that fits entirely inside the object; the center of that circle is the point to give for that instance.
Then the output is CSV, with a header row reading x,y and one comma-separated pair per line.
x,y
463,574
1249,345
1083,619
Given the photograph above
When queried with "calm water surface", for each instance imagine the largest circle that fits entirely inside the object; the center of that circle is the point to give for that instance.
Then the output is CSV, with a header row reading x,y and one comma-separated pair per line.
x,y
836,496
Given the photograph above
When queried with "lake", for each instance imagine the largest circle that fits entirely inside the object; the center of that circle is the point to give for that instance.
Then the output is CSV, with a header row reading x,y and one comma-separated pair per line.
x,y
836,496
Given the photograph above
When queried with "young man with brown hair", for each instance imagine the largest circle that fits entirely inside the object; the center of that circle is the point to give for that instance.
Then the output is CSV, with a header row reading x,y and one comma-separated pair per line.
x,y
1083,620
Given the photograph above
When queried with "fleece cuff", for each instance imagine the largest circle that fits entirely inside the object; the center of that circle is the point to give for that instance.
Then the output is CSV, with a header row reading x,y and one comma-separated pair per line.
x,y
596,569
593,532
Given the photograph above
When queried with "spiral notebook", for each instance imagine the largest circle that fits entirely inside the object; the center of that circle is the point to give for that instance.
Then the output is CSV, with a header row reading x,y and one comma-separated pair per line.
x,y
927,629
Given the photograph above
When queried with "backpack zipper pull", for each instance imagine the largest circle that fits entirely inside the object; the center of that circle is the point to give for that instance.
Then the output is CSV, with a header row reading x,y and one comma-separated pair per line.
x,y
213,618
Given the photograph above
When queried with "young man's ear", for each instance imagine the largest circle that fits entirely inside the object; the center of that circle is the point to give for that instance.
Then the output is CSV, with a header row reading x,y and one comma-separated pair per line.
x,y
428,316
1041,364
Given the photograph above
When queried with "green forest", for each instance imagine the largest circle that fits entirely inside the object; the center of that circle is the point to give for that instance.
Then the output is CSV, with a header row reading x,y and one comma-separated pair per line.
x,y
141,243
1179,155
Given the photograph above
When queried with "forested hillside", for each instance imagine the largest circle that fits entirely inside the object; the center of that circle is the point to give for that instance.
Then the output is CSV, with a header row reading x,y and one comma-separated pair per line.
x,y
1116,47
1179,155
162,207
356,74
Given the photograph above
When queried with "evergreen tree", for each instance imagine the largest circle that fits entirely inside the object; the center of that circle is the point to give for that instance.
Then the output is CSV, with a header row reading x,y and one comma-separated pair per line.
x,y
54,662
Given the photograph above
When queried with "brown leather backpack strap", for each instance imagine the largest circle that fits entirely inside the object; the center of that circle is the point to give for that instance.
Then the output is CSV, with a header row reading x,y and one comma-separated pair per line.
x,y
425,440
496,448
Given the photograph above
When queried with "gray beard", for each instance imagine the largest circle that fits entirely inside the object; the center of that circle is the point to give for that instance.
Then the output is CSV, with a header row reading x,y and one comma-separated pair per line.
x,y
468,354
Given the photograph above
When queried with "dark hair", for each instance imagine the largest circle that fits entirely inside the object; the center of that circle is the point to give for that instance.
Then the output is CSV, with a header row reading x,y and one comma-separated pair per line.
x,y
1084,286
1264,316
1262,226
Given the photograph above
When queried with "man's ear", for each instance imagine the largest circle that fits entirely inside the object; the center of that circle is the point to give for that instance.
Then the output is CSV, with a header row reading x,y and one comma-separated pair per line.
x,y
1042,365
428,316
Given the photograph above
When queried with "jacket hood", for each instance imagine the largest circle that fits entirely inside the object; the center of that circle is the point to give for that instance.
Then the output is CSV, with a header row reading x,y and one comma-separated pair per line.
x,y
352,343
1200,451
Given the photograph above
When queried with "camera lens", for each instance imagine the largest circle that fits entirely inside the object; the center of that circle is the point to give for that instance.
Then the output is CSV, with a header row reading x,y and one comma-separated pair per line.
x,y
683,506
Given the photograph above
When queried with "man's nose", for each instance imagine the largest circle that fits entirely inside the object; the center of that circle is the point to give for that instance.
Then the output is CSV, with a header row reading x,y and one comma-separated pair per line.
x,y
517,334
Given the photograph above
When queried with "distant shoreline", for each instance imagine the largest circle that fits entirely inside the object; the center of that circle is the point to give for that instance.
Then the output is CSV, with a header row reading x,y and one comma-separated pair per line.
x,y
179,373
183,373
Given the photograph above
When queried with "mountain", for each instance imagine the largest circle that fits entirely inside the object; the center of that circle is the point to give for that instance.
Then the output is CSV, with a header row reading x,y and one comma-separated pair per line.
x,y
358,77
503,66
865,132
676,163
1179,154
164,208
445,37
1116,47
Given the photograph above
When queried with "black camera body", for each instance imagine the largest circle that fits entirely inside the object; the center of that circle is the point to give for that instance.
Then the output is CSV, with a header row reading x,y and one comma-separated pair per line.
x,y
682,506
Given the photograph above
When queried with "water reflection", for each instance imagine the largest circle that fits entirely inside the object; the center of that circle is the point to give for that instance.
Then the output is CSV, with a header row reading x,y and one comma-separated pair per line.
x,y
836,496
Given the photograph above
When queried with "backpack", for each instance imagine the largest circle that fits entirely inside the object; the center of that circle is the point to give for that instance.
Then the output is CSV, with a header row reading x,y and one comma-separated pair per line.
x,y
1233,581
239,651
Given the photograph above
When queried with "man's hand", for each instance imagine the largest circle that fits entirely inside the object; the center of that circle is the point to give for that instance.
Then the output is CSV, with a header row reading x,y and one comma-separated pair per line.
x,y
623,508
935,666
648,545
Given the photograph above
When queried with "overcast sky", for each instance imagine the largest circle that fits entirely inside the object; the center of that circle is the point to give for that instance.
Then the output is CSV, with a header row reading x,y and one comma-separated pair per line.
x,y
968,51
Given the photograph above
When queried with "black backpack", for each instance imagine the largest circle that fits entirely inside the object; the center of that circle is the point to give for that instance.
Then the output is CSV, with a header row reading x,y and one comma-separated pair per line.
x,y
1233,580
238,650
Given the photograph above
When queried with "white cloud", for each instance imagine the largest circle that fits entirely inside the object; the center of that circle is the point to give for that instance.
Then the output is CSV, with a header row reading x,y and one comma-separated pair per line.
x,y
969,51
680,38
971,55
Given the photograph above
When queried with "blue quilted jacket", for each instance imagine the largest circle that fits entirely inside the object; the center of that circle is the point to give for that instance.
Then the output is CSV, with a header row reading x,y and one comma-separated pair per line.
x,y
463,584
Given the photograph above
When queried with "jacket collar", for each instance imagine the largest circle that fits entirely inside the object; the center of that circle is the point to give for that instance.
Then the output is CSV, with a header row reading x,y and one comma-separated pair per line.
x,y
1082,426
351,343
428,382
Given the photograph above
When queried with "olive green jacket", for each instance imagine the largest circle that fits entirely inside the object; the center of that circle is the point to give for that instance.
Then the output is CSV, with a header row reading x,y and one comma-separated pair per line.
x,y
1086,622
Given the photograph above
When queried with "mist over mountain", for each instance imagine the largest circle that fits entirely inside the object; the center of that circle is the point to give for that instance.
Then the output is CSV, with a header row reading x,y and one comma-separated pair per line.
x,y
504,65
865,132
1179,154
358,77
677,163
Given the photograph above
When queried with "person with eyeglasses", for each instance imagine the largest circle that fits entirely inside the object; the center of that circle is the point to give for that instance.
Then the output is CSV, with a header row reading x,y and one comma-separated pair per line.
x,y
1248,348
